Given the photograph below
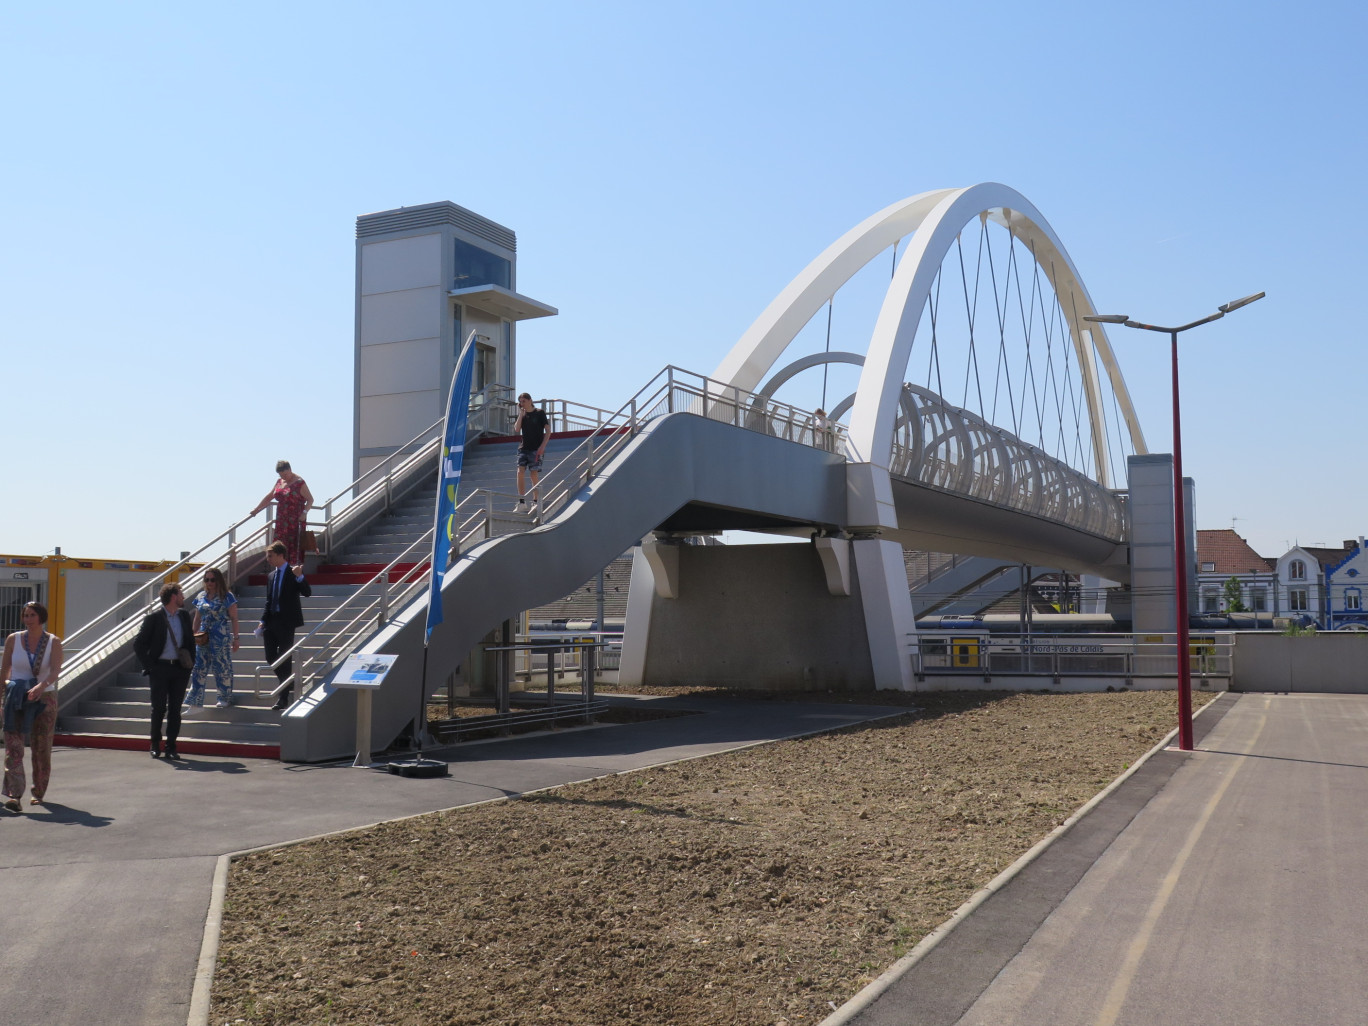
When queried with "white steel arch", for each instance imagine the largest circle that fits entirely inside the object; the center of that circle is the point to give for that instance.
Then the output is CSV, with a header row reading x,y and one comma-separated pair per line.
x,y
933,220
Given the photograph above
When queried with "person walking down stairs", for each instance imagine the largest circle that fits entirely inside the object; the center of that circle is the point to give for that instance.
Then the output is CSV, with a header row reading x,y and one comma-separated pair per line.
x,y
283,615
164,649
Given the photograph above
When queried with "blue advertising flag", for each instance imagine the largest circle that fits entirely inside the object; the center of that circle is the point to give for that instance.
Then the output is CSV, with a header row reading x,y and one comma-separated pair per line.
x,y
449,479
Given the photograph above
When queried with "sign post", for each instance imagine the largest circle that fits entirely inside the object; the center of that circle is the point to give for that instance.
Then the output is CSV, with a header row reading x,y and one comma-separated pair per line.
x,y
363,674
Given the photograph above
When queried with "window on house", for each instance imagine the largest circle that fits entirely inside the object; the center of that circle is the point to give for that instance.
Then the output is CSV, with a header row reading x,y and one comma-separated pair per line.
x,y
1353,599
1208,567
1296,570
1296,600
1211,602
1258,600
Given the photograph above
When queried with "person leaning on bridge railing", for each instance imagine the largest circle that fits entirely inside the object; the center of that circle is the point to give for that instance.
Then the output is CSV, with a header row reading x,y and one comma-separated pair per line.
x,y
821,429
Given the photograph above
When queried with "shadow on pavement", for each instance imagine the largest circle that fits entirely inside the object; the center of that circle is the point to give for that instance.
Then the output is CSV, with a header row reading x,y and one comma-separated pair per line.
x,y
53,812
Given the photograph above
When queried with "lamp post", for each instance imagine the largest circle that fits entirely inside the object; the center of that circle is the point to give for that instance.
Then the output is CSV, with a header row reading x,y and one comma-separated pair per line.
x,y
1179,515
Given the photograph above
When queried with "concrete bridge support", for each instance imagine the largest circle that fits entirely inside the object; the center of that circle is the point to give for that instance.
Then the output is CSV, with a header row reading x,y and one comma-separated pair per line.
x,y
832,614
1153,597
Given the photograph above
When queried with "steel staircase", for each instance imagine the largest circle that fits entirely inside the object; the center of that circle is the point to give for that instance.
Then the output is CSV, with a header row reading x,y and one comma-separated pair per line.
x,y
375,543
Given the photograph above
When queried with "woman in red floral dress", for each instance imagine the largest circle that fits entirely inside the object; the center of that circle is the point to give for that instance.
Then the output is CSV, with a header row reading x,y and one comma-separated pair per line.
x,y
293,499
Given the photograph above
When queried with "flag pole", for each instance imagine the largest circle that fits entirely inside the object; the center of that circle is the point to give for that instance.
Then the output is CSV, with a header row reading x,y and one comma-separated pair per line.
x,y
452,457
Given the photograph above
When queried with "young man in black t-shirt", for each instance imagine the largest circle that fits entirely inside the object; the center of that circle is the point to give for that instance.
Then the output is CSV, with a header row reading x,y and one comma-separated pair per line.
x,y
533,425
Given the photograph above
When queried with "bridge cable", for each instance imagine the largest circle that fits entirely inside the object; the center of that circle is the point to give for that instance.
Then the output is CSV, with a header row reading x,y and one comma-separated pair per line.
x,y
827,364
1122,439
1077,391
933,358
1051,375
1097,377
972,357
1004,368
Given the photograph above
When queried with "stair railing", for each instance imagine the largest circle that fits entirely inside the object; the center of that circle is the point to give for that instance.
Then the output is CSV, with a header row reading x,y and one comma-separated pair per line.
x,y
673,390
389,480
947,563
88,645
369,608
240,549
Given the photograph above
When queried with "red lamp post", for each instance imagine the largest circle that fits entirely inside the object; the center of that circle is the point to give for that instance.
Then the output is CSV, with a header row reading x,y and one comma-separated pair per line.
x,y
1179,513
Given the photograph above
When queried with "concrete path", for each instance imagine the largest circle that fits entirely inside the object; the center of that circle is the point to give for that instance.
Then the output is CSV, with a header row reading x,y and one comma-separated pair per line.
x,y
1225,886
104,892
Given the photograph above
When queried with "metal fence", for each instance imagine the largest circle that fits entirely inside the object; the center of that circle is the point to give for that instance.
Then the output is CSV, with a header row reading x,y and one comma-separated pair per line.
x,y
1123,656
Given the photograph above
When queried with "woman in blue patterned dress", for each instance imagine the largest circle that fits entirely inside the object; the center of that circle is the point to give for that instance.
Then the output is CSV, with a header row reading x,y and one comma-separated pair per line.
x,y
216,614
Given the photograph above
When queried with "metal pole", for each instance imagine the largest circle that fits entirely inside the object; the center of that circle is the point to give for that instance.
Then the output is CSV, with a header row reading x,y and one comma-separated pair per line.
x,y
1179,515
1180,568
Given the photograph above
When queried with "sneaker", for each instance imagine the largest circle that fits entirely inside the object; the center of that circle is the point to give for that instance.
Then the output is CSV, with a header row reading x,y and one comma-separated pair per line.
x,y
533,508
191,710
222,705
519,507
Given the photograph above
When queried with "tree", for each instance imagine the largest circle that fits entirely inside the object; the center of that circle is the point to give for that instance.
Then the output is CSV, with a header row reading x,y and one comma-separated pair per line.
x,y
1232,596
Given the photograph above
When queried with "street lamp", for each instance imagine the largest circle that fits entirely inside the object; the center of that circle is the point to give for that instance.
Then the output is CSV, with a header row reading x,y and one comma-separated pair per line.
x,y
1179,533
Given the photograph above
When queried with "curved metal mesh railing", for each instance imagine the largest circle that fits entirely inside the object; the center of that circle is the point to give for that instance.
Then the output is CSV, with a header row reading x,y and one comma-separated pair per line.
x,y
957,451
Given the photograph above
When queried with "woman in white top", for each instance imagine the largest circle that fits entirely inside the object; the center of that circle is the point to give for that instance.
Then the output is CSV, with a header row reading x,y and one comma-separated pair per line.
x,y
32,661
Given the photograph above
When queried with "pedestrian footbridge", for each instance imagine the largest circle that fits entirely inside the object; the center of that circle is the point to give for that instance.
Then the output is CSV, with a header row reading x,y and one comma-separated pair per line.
x,y
895,464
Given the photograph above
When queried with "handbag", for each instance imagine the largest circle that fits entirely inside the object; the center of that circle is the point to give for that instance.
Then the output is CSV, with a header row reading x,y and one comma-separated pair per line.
x,y
184,655
310,543
201,637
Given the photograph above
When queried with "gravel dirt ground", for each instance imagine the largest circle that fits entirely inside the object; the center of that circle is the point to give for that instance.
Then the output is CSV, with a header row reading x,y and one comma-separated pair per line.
x,y
764,886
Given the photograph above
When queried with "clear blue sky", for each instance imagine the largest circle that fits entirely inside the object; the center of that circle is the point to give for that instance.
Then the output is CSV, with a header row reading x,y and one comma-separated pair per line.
x,y
181,184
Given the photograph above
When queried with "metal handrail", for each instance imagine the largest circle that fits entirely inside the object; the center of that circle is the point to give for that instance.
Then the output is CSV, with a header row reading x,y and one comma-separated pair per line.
x,y
422,440
664,394
380,605
939,571
136,605
673,390
90,652
477,527
972,652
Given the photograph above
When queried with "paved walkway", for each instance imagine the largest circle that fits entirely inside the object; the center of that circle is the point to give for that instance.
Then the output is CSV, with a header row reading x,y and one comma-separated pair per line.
x,y
104,892
1222,887
1228,886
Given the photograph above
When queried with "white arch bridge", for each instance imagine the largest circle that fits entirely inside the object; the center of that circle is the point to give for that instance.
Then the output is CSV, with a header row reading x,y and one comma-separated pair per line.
x,y
982,416
894,464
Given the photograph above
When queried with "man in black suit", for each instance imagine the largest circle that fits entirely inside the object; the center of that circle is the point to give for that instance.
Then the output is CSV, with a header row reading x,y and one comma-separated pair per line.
x,y
164,634
282,614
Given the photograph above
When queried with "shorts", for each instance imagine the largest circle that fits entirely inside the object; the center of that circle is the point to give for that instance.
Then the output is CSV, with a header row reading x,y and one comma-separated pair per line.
x,y
528,458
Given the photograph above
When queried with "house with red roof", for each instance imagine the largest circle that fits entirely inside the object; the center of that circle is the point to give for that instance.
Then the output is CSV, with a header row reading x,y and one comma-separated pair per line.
x,y
1223,554
1321,583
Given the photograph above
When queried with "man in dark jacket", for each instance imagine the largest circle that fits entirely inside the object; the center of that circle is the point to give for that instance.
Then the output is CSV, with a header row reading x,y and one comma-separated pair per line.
x,y
282,614
164,634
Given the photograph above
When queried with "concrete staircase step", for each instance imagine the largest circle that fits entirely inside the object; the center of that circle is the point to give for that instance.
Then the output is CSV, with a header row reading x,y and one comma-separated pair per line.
x,y
257,733
184,745
117,714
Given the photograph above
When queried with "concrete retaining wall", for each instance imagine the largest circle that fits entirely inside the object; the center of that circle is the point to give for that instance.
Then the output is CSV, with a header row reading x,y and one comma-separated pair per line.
x,y
1327,662
754,616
